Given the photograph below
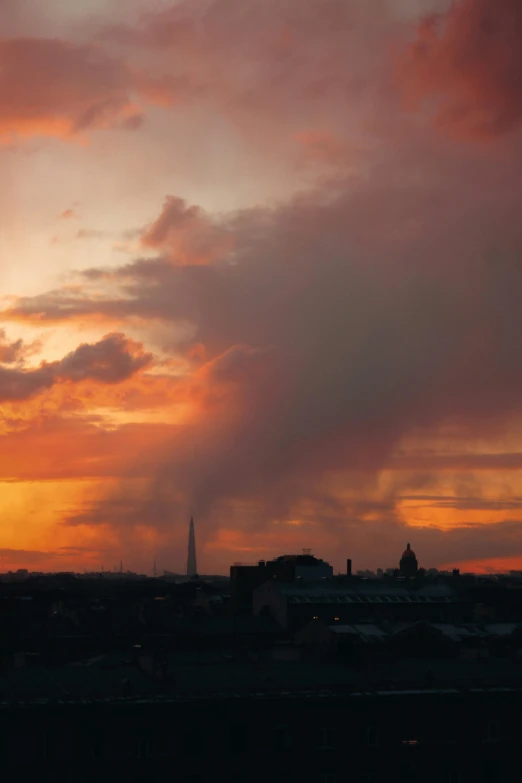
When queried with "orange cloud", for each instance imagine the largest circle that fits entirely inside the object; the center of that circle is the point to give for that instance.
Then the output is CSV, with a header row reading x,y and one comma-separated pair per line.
x,y
76,447
68,214
485,565
310,339
143,397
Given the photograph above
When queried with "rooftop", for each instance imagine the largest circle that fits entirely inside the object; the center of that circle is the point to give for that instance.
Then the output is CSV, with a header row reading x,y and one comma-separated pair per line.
x,y
366,592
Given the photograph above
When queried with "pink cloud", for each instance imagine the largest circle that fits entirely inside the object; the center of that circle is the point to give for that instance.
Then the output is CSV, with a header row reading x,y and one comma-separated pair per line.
x,y
271,70
465,66
323,147
51,87
187,235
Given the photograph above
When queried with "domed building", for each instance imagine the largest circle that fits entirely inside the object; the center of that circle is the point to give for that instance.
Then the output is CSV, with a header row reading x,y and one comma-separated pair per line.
x,y
408,565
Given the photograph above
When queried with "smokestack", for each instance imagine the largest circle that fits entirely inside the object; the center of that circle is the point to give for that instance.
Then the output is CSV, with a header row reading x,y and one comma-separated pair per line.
x,y
348,567
191,560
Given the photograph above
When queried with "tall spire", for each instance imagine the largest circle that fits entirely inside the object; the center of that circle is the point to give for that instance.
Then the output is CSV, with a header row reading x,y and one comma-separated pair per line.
x,y
191,560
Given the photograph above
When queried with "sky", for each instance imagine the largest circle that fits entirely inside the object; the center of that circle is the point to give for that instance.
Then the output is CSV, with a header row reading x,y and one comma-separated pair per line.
x,y
260,263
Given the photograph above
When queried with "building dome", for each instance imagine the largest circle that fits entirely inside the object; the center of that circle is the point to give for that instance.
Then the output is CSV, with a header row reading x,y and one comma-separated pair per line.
x,y
408,552
408,565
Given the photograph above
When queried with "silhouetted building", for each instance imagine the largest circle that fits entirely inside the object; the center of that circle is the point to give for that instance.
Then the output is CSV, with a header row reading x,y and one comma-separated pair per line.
x,y
408,565
286,568
124,679
295,604
243,581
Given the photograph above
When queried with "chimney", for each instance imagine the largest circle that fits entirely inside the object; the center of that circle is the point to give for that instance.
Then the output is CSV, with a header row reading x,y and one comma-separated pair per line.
x,y
348,567
191,559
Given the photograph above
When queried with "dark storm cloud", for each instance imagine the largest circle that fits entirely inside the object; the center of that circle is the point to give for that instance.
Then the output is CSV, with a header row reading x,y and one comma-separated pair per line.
x,y
378,307
11,352
375,310
111,360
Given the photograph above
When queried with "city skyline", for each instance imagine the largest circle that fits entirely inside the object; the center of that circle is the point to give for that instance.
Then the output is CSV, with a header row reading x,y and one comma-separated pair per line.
x,y
260,265
393,568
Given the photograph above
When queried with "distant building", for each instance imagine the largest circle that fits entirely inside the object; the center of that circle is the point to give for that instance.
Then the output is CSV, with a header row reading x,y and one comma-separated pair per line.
x,y
244,579
304,566
408,565
293,605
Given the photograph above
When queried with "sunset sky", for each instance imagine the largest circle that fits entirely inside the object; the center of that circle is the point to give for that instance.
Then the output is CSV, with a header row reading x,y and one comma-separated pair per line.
x,y
260,262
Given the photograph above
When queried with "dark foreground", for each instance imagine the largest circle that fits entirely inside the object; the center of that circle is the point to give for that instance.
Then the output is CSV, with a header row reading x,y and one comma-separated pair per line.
x,y
323,722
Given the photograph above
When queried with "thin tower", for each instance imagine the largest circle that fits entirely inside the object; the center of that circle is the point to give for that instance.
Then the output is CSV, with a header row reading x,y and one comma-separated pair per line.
x,y
191,560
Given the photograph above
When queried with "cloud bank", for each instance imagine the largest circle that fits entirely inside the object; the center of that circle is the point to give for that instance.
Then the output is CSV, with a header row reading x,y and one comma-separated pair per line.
x,y
335,367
